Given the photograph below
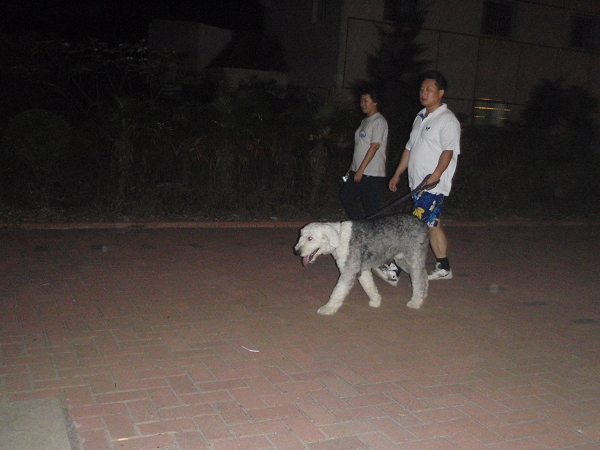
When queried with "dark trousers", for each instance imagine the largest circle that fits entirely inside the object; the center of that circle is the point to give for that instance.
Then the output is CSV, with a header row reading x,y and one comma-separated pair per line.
x,y
362,199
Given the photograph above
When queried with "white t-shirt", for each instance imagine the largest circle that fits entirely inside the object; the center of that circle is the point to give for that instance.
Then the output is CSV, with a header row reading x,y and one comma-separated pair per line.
x,y
372,129
429,137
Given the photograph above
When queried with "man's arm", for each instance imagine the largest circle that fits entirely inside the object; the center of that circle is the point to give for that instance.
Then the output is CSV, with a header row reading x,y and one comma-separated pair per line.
x,y
442,165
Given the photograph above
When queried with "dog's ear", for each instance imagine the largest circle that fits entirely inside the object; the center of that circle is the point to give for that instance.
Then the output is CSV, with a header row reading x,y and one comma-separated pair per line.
x,y
333,235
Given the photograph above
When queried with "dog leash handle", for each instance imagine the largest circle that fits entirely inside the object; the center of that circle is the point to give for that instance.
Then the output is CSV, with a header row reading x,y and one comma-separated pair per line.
x,y
421,187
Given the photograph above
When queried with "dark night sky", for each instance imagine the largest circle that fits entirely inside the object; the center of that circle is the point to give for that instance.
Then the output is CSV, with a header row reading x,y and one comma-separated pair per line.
x,y
121,20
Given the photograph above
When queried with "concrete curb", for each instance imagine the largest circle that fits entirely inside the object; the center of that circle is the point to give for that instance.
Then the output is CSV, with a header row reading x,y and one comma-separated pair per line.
x,y
266,224
146,225
34,424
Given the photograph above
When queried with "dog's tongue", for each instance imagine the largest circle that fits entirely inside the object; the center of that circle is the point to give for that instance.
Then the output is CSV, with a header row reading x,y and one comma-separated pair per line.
x,y
305,260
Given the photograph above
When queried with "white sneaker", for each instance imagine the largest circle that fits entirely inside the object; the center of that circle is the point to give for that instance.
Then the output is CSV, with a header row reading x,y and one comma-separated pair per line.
x,y
440,274
388,273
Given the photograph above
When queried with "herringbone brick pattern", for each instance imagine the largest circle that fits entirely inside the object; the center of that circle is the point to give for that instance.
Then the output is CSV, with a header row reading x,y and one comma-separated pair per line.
x,y
208,338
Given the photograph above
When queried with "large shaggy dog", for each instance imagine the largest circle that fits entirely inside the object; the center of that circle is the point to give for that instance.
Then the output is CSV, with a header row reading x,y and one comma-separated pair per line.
x,y
359,246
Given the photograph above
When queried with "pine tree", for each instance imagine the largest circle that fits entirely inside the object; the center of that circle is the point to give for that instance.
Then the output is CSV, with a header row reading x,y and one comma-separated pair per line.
x,y
394,71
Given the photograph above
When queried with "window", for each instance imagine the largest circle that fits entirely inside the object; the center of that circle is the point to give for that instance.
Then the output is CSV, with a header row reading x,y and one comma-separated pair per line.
x,y
497,18
393,9
584,32
318,11
489,112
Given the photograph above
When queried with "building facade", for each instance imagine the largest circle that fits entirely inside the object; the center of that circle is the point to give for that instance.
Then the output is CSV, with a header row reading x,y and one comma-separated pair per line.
x,y
492,52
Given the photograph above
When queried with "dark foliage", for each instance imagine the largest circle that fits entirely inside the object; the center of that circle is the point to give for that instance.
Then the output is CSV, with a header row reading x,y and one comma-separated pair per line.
x,y
547,165
147,139
96,132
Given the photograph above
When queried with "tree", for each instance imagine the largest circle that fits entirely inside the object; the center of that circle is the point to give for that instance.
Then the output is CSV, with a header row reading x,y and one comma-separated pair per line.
x,y
329,123
394,71
559,124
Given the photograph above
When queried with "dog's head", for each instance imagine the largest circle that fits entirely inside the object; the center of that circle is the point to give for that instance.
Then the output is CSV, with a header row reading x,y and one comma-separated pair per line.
x,y
317,239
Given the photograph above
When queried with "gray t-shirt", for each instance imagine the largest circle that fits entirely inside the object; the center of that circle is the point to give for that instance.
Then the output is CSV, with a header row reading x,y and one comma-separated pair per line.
x,y
372,129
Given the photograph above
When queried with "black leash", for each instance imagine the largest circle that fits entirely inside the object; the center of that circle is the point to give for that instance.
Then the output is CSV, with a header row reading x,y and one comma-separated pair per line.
x,y
421,187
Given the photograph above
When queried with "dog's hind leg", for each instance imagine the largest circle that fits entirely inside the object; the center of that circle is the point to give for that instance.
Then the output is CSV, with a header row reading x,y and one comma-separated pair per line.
x,y
340,291
366,281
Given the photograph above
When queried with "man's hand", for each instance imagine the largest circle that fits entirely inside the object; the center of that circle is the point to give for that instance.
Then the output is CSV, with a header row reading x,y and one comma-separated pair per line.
x,y
431,181
393,184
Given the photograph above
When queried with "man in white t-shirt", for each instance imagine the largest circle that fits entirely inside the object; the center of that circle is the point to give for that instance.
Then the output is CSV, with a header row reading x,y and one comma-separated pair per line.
x,y
362,193
432,149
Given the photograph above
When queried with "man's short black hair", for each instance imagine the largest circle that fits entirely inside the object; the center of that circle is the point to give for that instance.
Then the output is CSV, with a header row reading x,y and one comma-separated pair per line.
x,y
440,80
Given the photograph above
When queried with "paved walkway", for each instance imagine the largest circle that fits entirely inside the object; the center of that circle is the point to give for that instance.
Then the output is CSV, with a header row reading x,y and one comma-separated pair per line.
x,y
200,338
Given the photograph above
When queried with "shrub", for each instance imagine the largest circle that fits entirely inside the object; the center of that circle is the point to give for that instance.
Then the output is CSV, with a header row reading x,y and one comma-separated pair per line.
x,y
37,152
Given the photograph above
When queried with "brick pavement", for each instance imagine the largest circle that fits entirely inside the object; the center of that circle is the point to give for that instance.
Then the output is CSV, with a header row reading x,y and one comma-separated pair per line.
x,y
202,338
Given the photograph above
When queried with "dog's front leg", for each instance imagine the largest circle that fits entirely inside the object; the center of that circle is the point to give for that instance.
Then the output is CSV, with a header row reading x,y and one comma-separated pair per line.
x,y
340,291
420,285
366,281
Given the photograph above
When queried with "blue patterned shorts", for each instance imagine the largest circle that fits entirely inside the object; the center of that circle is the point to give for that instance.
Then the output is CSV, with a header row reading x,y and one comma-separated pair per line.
x,y
428,207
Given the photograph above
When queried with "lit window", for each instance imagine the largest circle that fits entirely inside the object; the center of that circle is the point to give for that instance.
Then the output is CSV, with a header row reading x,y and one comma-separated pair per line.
x,y
497,19
487,111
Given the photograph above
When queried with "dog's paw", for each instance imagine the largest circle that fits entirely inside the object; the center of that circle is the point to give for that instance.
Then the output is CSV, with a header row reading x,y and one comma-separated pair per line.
x,y
326,310
375,303
415,304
